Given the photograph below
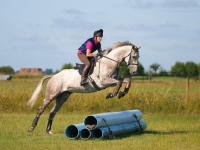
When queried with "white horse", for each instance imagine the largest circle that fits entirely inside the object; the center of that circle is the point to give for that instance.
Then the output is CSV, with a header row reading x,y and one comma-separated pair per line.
x,y
105,74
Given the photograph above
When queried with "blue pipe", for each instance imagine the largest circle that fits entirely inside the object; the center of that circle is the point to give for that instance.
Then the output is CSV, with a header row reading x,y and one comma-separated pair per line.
x,y
111,118
128,127
85,134
73,131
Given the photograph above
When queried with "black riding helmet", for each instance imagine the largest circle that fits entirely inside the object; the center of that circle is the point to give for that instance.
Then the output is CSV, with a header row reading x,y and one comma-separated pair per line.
x,y
98,33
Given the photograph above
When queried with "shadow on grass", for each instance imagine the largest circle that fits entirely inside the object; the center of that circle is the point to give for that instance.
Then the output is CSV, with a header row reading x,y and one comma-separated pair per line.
x,y
164,132
153,132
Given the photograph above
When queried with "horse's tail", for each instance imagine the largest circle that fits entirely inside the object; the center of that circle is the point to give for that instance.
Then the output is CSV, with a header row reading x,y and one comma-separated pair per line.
x,y
38,89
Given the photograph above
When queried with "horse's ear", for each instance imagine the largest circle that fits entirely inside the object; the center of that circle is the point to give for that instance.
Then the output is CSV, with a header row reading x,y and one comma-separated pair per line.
x,y
139,46
136,47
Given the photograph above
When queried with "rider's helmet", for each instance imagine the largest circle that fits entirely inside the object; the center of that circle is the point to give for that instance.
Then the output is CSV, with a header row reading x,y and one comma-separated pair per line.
x,y
98,33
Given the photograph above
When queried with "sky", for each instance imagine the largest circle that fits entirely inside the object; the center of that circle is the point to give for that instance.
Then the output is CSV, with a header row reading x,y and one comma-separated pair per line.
x,y
46,34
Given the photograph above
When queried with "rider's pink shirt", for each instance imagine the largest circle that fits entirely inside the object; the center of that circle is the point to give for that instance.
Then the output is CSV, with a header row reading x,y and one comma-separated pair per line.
x,y
89,45
80,51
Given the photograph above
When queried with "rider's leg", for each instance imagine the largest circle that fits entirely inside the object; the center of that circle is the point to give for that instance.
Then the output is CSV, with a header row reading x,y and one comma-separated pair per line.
x,y
84,60
84,75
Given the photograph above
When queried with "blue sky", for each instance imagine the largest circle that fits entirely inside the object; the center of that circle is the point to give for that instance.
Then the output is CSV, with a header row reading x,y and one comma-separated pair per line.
x,y
47,33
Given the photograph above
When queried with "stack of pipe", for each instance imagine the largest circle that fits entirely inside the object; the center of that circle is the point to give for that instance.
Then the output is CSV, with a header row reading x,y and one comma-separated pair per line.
x,y
109,124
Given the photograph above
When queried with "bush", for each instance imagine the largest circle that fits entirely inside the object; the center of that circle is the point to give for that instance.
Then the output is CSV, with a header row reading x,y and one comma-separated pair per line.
x,y
7,70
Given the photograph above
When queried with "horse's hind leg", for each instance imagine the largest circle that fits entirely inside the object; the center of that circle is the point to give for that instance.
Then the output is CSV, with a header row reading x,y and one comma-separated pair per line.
x,y
39,112
59,102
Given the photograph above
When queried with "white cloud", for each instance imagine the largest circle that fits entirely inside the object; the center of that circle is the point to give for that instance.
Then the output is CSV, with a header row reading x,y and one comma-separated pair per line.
x,y
73,11
76,23
180,3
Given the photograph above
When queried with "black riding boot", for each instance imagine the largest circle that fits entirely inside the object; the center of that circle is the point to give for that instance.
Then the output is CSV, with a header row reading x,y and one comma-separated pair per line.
x,y
84,75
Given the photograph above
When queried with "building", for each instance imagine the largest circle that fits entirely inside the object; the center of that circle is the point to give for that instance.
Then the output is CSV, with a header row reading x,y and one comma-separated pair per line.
x,y
30,71
5,77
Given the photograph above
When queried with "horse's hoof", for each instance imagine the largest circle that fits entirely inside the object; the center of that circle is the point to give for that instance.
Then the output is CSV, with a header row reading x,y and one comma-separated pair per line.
x,y
50,132
121,94
30,129
109,95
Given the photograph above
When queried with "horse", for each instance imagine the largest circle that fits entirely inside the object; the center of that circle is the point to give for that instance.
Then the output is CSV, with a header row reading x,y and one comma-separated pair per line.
x,y
105,74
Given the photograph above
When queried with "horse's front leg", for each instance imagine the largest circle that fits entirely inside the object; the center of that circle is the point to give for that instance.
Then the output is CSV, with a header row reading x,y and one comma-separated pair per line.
x,y
116,90
127,87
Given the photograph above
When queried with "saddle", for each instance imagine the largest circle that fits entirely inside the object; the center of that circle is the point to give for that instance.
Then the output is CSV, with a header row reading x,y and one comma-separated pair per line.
x,y
80,67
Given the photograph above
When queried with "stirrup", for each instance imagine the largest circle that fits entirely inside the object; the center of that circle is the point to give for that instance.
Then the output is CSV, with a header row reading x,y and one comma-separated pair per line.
x,y
84,82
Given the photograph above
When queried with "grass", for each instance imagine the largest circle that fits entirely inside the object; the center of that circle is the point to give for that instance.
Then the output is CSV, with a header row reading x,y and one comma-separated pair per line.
x,y
163,132
167,96
172,116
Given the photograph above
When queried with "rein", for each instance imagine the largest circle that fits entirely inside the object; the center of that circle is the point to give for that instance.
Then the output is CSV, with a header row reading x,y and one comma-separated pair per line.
x,y
118,62
124,58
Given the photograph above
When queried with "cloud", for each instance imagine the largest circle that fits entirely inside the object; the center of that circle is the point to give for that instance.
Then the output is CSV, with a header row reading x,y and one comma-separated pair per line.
x,y
180,3
150,28
31,43
77,23
25,38
142,4
139,4
73,11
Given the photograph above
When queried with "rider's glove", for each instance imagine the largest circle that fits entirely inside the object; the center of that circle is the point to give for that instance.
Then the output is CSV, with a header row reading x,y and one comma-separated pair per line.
x,y
99,55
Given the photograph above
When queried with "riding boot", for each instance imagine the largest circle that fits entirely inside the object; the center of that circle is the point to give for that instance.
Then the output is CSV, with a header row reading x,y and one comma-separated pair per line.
x,y
84,75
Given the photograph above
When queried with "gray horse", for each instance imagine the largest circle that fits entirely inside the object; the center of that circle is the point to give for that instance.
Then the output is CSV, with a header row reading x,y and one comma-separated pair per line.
x,y
105,74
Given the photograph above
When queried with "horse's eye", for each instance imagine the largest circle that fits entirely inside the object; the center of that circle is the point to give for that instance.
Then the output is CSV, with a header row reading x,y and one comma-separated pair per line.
x,y
134,57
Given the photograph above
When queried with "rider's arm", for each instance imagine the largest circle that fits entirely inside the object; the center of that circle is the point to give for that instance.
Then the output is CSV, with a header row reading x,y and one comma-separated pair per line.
x,y
89,46
89,54
100,50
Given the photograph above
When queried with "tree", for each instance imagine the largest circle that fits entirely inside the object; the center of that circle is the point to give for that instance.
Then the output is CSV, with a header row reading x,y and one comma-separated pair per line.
x,y
57,71
140,69
7,70
124,71
155,67
67,66
178,69
48,71
191,69
163,72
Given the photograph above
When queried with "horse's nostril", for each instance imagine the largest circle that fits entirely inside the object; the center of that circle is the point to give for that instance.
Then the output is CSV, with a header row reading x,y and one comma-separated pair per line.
x,y
134,72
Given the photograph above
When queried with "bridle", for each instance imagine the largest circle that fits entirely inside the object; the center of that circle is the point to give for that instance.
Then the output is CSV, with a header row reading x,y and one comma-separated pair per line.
x,y
129,55
118,63
129,63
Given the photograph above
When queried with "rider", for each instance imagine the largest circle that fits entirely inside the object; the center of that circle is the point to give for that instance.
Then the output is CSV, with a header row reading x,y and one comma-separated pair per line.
x,y
86,51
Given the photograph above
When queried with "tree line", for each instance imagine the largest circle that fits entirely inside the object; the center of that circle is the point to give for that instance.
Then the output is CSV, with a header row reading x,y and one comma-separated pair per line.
x,y
181,69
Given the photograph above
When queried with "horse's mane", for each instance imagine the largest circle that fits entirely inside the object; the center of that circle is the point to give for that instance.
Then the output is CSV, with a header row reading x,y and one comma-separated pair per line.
x,y
116,45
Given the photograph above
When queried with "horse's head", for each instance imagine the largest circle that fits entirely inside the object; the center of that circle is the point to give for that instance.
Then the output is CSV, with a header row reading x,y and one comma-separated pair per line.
x,y
124,51
132,59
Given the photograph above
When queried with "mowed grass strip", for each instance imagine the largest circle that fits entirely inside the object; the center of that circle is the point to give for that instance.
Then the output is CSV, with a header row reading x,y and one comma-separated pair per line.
x,y
163,132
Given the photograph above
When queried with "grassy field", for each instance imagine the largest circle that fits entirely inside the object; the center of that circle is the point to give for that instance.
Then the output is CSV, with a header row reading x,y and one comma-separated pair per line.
x,y
166,132
171,114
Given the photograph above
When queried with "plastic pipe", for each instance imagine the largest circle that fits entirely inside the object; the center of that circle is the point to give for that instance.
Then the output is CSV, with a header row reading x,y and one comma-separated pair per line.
x,y
85,134
128,127
73,131
111,118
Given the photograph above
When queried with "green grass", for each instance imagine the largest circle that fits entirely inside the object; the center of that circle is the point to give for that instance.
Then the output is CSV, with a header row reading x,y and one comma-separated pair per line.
x,y
163,132
155,97
172,116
